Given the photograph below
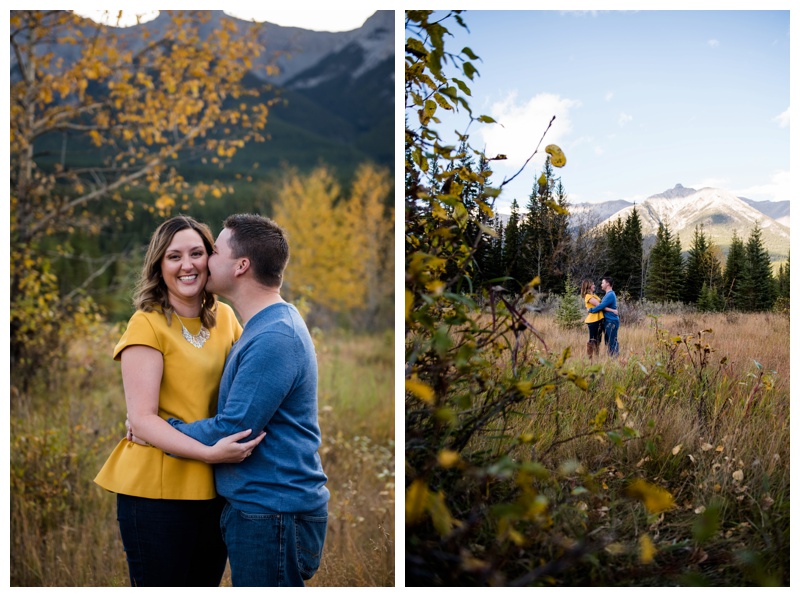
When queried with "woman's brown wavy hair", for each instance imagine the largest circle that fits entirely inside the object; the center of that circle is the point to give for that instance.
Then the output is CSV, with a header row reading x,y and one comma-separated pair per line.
x,y
586,286
151,293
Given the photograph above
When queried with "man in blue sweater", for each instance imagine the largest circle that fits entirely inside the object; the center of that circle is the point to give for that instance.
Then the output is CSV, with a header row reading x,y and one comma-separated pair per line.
x,y
610,320
275,522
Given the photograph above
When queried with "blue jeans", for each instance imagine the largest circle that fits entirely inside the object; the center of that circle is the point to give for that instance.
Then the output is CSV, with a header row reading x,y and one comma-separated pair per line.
x,y
172,543
611,329
273,550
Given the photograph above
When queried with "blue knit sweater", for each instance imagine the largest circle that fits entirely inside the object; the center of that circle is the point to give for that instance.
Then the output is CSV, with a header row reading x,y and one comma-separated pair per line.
x,y
609,300
269,382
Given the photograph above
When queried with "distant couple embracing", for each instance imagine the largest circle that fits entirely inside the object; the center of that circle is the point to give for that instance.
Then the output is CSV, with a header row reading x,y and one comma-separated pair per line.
x,y
603,317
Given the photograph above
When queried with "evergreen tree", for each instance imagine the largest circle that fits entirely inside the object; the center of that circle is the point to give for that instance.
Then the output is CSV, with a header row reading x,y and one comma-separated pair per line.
x,y
543,231
693,280
709,299
493,263
615,251
569,313
665,270
782,288
512,261
757,283
632,258
702,267
625,254
734,273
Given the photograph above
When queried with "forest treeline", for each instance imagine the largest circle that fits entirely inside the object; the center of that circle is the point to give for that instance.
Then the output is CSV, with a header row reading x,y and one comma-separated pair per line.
x,y
540,242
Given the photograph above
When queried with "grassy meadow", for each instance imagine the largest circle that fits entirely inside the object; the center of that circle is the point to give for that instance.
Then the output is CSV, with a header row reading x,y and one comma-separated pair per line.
x,y
63,526
705,418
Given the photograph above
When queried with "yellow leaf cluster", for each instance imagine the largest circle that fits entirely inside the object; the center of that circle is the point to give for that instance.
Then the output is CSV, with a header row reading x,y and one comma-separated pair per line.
x,y
342,249
420,390
421,501
655,499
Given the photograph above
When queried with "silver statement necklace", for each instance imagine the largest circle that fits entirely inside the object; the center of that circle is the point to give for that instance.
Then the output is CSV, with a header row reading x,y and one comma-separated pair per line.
x,y
196,340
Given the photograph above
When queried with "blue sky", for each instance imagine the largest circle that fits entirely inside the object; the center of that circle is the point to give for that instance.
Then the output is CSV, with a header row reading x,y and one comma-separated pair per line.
x,y
643,99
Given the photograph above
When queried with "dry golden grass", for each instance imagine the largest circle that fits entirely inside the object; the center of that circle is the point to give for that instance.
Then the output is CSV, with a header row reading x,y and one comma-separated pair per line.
x,y
732,457
63,527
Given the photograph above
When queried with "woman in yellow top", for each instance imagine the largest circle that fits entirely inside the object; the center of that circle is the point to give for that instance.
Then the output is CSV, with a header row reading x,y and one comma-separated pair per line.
x,y
593,320
173,353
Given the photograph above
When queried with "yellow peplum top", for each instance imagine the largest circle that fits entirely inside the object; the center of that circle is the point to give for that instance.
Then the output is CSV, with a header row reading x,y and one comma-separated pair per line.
x,y
591,317
189,388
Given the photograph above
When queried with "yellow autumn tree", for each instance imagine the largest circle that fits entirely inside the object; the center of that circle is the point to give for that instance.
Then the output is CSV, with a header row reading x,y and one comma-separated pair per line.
x,y
136,106
341,246
371,230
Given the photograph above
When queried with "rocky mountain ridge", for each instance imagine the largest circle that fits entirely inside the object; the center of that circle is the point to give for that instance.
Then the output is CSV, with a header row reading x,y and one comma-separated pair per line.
x,y
719,213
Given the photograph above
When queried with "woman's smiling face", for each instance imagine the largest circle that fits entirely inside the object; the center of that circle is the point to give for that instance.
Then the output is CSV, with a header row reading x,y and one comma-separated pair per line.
x,y
184,267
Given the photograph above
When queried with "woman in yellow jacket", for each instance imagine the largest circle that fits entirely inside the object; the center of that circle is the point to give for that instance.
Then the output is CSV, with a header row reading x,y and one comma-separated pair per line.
x,y
172,354
593,320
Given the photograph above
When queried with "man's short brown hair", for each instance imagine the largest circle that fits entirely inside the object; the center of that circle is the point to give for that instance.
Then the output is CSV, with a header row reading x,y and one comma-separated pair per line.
x,y
263,242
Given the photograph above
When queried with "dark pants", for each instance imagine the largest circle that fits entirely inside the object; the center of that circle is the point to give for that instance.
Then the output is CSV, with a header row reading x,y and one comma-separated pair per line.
x,y
172,543
595,331
611,329
273,550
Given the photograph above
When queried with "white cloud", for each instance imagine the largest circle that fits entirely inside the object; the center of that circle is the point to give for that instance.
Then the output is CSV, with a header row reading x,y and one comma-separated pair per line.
x,y
624,119
609,95
598,150
714,183
581,141
523,123
782,119
778,188
713,43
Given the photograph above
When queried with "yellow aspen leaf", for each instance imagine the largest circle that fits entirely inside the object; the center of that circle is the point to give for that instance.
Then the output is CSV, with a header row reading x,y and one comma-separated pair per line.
x,y
516,537
581,383
676,449
557,157
440,514
436,287
600,418
524,387
620,403
46,95
420,390
655,499
615,549
738,475
557,208
535,282
647,550
164,202
416,501
448,458
409,303
706,447
563,358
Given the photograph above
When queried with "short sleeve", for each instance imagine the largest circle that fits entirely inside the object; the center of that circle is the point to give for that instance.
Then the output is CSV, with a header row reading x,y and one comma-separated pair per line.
x,y
140,332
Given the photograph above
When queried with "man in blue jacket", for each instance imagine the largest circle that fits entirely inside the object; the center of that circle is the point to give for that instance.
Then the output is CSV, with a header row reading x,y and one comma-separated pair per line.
x,y
275,522
610,320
